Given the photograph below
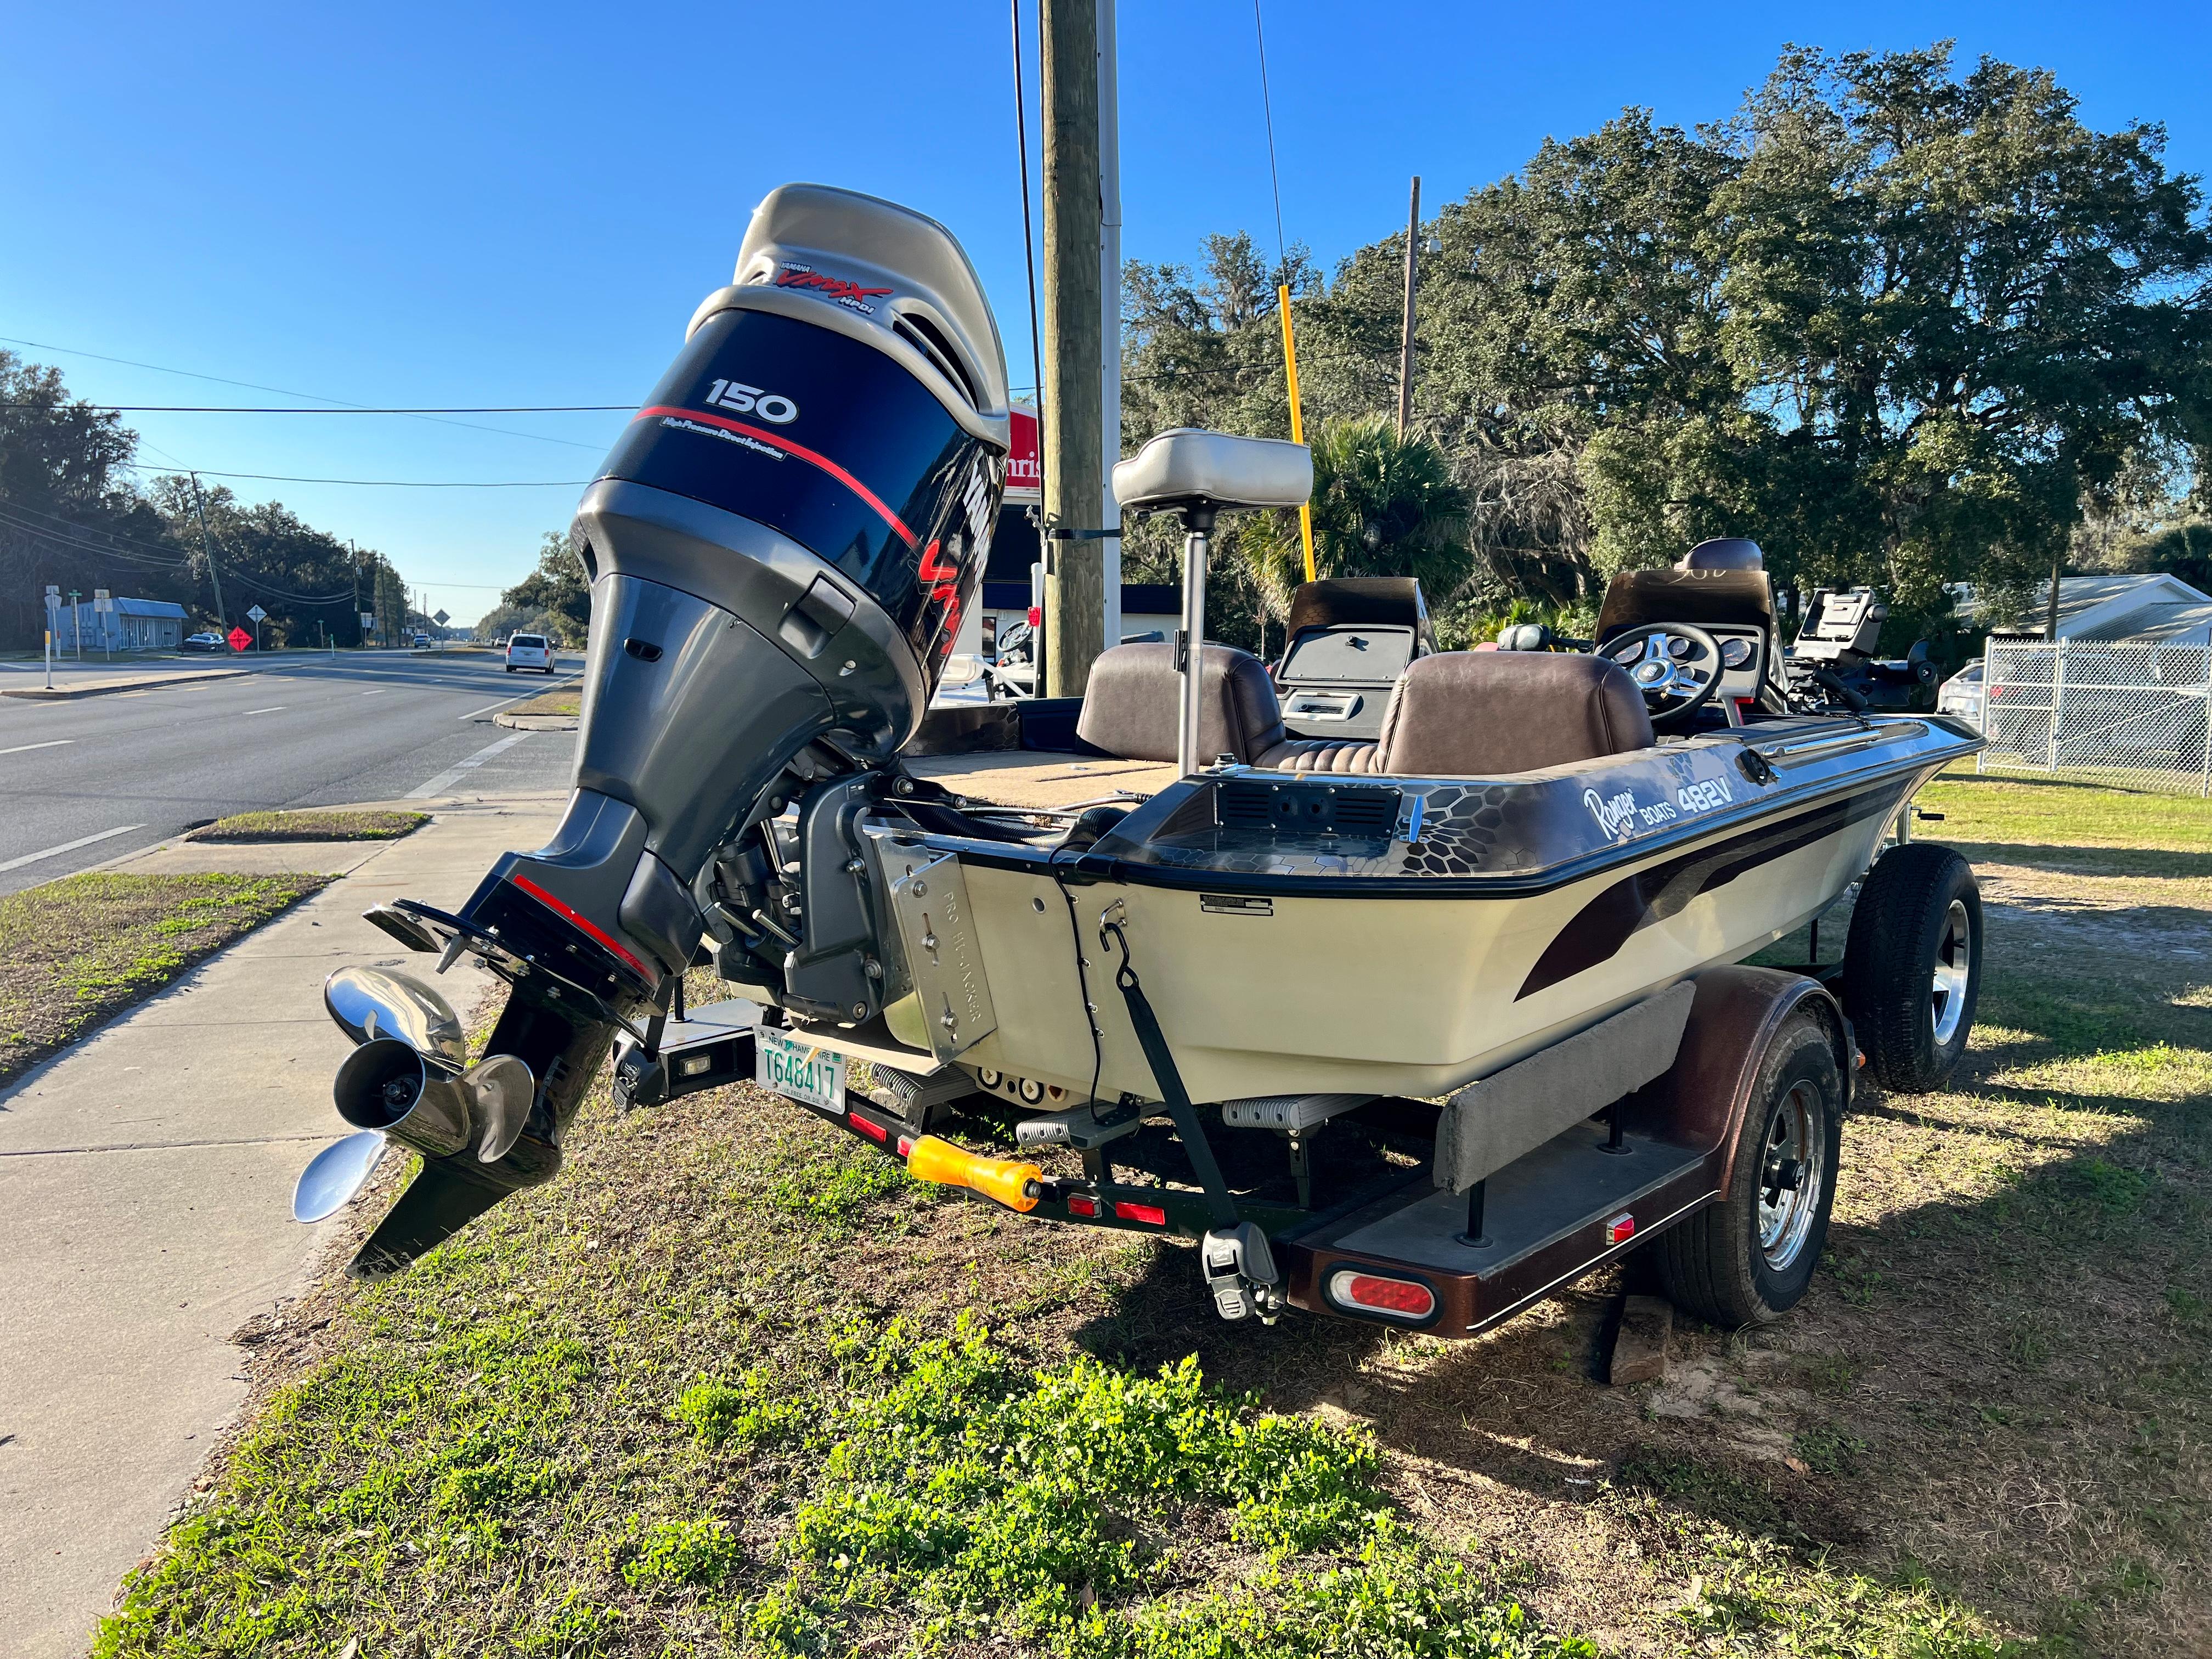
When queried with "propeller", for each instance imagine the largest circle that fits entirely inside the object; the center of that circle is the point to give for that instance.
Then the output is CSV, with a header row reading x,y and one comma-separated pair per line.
x,y
409,1081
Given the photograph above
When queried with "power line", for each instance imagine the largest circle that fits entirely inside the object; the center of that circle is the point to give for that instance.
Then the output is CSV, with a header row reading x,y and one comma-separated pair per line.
x,y
11,514
382,483
281,390
350,409
1029,241
1268,110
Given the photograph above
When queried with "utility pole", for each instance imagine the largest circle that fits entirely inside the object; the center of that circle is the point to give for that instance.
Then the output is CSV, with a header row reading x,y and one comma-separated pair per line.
x,y
207,552
353,573
2050,618
1074,446
1406,329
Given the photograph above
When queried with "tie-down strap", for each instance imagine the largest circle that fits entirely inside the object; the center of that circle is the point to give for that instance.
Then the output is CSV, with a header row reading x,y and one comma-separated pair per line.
x,y
1184,1115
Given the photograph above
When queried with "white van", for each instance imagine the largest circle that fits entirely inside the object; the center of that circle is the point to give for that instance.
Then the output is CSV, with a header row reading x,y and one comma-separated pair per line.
x,y
530,651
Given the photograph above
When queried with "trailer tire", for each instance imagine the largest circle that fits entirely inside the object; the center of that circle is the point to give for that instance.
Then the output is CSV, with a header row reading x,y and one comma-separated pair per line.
x,y
1912,965
1747,1259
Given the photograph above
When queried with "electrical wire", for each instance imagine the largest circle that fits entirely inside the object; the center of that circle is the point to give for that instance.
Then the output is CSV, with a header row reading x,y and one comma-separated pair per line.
x,y
12,515
237,574
382,483
281,390
1268,110
350,409
1029,240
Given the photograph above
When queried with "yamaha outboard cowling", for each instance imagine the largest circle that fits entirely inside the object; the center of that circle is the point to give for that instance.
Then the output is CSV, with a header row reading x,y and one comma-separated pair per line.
x,y
780,547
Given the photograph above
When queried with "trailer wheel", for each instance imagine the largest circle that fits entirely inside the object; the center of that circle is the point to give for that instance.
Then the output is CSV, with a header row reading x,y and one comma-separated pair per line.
x,y
1748,1258
1912,966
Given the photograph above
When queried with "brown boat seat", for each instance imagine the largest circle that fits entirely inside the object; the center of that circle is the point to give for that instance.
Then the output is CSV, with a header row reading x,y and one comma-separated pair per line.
x,y
1460,713
1483,713
1129,709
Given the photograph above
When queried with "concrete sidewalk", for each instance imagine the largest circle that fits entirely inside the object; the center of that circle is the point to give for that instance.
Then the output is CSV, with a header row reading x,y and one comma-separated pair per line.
x,y
145,1181
68,689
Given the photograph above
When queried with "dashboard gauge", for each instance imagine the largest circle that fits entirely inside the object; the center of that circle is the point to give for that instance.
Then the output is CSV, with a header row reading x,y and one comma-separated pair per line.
x,y
1679,648
1737,653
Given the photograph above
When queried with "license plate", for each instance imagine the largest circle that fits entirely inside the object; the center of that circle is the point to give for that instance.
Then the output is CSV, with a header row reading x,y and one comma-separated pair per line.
x,y
813,1077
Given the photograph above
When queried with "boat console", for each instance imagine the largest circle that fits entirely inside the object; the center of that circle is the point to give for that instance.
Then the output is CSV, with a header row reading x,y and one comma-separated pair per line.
x,y
1350,638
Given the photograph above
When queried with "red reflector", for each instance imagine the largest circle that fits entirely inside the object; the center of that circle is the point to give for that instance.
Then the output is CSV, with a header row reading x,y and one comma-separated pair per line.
x,y
1401,1299
874,1131
905,1145
1036,617
1621,1226
1150,1215
1079,1204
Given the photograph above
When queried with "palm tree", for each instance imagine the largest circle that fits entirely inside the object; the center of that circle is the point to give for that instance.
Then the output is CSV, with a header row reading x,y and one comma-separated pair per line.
x,y
1383,506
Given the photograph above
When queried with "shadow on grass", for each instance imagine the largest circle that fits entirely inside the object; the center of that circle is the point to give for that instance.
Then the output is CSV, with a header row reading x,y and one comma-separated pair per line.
x,y
2011,1374
2088,861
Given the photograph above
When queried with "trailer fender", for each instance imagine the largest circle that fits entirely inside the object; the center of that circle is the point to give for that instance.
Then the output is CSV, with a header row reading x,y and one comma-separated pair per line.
x,y
1737,1012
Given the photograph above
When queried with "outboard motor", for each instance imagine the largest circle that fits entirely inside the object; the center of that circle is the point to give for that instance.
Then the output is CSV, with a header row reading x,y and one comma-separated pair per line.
x,y
780,547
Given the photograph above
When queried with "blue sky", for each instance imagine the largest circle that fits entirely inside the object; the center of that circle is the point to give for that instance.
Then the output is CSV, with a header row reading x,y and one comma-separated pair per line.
x,y
463,204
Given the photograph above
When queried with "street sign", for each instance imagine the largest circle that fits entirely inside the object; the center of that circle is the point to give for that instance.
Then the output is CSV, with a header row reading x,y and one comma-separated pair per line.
x,y
238,638
102,600
441,619
367,620
257,614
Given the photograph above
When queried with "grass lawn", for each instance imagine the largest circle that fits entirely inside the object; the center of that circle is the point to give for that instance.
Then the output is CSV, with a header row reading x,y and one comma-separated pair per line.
x,y
76,952
1982,811
310,826
734,1384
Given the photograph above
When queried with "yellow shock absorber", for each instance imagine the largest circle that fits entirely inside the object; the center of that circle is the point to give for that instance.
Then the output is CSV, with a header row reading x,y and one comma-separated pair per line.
x,y
1016,1186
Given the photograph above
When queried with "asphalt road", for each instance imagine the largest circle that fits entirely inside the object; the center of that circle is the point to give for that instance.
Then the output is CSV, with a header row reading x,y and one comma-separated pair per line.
x,y
89,780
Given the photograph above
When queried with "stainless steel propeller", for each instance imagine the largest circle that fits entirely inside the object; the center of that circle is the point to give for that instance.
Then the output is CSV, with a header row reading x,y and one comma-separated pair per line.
x,y
409,1081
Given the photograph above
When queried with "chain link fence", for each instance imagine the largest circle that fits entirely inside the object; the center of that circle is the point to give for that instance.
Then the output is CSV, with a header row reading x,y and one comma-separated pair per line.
x,y
2100,712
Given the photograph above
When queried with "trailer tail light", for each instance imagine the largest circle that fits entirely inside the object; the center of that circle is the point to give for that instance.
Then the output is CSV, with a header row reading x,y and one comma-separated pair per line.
x,y
1150,1215
1079,1204
1619,1229
1378,1293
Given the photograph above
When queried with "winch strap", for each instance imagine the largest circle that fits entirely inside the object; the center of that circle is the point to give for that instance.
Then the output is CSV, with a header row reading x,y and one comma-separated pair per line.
x,y
1181,1112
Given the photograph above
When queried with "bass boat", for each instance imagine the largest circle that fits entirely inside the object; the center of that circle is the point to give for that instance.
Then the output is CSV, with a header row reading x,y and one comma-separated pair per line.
x,y
1474,926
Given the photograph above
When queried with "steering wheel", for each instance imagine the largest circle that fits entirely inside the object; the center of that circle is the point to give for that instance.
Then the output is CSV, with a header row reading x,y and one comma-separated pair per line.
x,y
1677,668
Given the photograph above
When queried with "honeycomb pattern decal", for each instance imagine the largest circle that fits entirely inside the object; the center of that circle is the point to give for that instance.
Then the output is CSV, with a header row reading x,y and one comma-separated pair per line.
x,y
1459,829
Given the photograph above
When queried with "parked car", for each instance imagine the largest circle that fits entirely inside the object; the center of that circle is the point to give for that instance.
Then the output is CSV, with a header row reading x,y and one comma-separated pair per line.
x,y
203,642
530,651
1962,695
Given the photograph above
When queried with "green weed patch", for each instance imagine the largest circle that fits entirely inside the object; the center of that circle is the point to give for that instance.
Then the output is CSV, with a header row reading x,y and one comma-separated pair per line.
x,y
76,952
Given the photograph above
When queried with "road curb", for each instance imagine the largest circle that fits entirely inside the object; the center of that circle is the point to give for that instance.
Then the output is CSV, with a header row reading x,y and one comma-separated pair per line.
x,y
538,722
67,693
